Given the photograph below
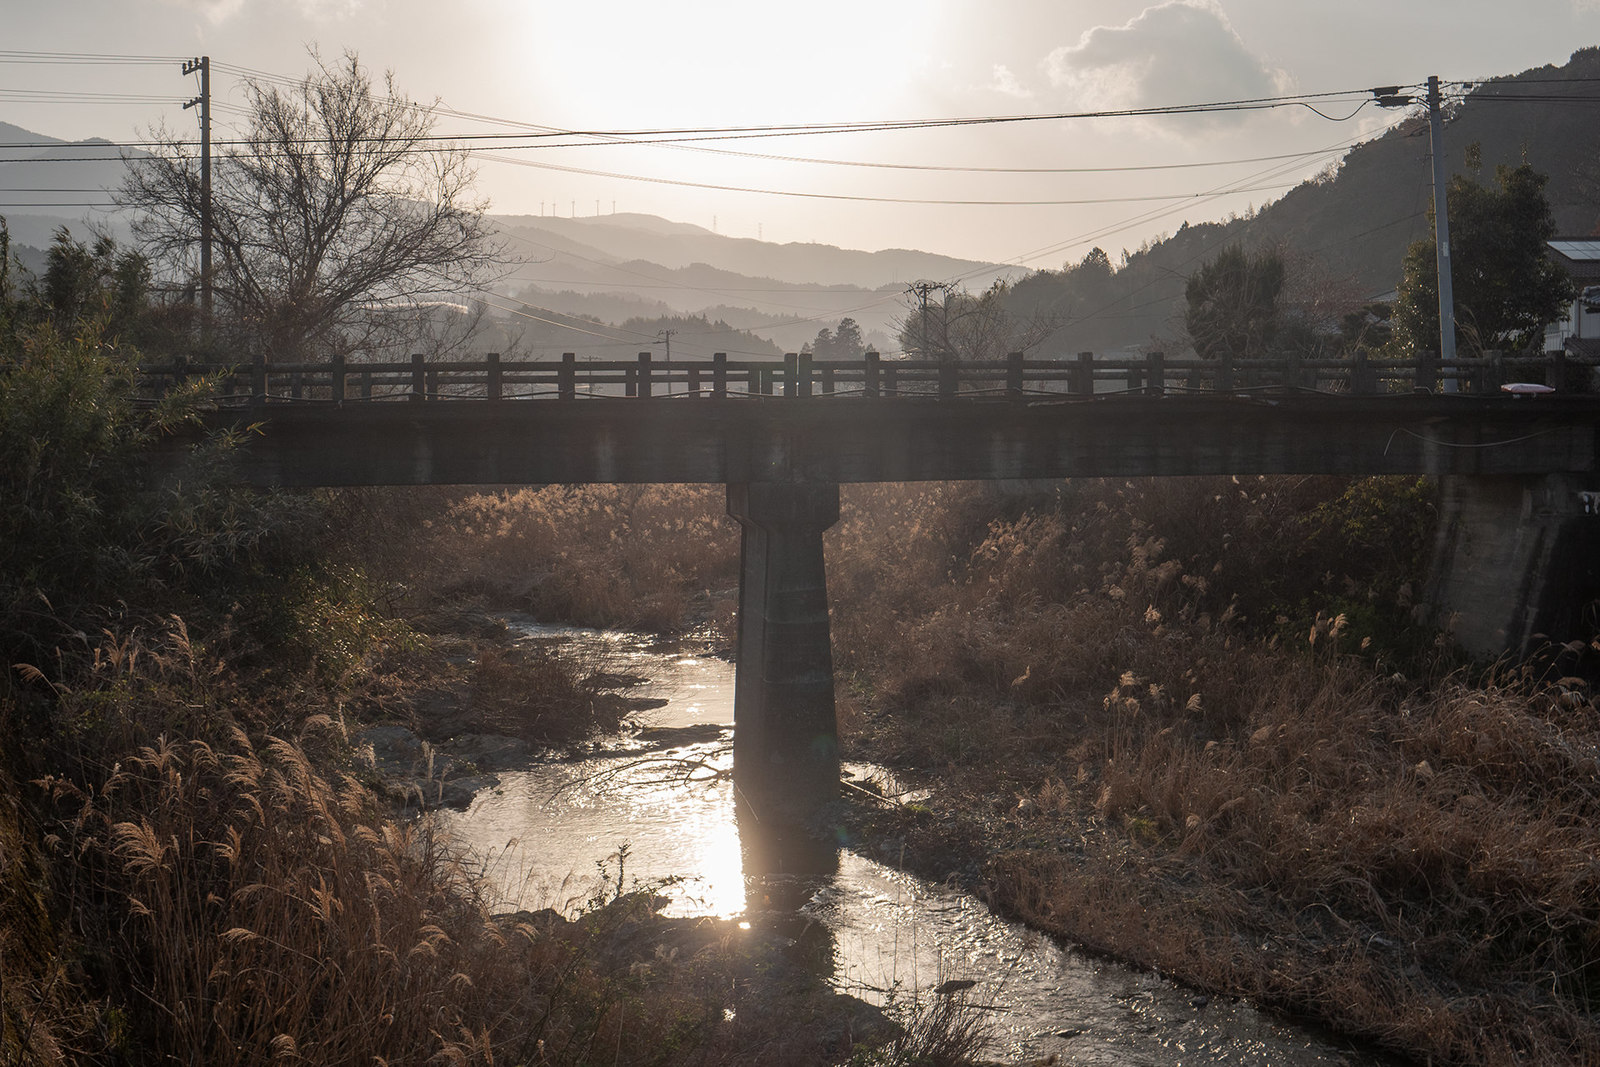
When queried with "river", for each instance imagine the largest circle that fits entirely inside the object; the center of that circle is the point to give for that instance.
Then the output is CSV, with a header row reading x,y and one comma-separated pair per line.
x,y
656,808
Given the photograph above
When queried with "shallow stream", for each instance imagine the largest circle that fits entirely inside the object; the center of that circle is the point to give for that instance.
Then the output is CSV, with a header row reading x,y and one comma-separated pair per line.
x,y
655,808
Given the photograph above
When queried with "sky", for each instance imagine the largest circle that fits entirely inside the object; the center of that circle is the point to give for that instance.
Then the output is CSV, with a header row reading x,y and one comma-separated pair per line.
x,y
1038,192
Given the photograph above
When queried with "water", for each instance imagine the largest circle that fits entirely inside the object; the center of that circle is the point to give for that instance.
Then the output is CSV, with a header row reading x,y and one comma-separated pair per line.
x,y
658,807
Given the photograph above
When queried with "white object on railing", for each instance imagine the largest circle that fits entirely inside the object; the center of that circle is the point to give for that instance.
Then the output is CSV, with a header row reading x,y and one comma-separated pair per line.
x,y
1525,389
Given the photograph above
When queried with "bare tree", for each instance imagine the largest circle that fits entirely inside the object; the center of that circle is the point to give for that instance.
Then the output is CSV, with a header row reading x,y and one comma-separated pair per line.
x,y
961,326
335,209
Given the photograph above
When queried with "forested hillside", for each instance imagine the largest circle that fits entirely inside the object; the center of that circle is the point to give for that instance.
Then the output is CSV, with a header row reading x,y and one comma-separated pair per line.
x,y
1346,232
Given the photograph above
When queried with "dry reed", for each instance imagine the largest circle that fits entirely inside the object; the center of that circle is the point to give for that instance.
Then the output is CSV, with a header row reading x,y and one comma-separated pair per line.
x,y
1264,806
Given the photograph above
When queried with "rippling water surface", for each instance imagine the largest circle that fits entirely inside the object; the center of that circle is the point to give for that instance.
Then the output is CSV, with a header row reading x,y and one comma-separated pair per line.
x,y
660,810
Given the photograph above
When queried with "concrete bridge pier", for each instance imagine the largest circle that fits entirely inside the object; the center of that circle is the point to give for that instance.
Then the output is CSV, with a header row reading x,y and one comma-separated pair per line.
x,y
786,736
1517,561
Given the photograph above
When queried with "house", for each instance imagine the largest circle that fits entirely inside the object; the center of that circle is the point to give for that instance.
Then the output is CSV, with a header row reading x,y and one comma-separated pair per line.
x,y
1579,330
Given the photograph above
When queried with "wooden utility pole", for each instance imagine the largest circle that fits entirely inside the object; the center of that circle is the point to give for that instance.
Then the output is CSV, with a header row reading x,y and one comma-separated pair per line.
x,y
203,65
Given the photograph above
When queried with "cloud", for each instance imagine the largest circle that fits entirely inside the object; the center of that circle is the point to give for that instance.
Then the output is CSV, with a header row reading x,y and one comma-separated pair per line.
x,y
1005,83
1178,52
215,12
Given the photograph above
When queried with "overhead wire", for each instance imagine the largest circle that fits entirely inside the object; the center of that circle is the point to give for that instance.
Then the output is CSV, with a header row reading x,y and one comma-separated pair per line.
x,y
683,136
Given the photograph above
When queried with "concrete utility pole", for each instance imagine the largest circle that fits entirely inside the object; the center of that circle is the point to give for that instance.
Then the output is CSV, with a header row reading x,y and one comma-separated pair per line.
x,y
1441,236
203,65
923,290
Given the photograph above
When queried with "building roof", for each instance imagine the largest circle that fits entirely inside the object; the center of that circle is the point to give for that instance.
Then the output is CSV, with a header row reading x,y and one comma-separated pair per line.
x,y
1579,255
1578,248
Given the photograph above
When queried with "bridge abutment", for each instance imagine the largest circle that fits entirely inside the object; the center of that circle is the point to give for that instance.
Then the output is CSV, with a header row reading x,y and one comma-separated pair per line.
x,y
1516,560
785,739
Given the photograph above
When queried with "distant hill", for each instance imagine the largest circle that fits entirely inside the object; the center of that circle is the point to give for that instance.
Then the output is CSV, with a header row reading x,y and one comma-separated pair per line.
x,y
784,293
676,245
53,183
1349,230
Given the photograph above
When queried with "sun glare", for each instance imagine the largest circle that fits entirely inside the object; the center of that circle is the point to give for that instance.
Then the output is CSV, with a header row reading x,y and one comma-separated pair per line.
x,y
715,62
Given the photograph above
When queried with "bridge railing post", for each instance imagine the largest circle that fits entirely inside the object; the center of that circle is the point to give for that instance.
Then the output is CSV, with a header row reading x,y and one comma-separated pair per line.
x,y
180,371
719,375
791,374
1083,374
336,378
643,383
1493,375
1291,368
1361,382
567,377
949,379
1156,373
827,381
258,378
803,367
1225,372
1556,373
366,385
494,386
419,377
1014,370
871,375
1425,378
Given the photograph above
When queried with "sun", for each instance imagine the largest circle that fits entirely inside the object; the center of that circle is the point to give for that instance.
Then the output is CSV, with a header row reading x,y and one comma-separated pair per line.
x,y
717,62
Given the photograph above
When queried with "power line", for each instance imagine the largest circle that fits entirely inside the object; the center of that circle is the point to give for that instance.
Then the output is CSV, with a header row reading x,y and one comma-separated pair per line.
x,y
859,198
673,135
85,58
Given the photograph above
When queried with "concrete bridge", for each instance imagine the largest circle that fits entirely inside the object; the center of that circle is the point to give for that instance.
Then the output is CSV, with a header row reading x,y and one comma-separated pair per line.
x,y
1515,554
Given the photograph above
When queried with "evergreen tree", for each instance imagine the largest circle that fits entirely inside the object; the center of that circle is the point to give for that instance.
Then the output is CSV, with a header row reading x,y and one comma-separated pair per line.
x,y
1233,304
1505,285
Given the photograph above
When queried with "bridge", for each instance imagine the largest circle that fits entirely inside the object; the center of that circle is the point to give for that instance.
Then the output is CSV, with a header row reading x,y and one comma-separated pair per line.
x,y
1519,471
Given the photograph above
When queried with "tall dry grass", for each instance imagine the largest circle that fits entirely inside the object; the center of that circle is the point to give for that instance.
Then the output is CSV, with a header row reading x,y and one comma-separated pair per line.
x,y
624,556
233,902
1132,709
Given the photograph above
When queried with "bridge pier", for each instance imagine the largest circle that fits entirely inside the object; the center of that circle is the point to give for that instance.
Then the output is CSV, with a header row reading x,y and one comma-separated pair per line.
x,y
1516,561
786,737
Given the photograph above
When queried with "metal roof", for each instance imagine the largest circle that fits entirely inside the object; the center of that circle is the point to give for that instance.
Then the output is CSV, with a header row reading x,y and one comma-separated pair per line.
x,y
1581,249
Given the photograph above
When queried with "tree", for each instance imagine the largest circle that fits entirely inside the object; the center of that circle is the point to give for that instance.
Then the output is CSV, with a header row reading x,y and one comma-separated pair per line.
x,y
961,326
1506,287
843,345
1233,304
101,283
335,206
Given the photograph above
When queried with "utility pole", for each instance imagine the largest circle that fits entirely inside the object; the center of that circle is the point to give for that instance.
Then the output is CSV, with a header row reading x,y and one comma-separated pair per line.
x,y
666,340
203,65
922,290
1441,237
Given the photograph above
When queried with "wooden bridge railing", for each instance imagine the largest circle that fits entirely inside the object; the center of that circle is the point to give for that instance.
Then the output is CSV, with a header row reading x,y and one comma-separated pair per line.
x,y
1016,377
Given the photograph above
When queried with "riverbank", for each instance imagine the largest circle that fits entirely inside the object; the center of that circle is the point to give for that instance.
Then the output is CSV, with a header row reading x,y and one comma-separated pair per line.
x,y
240,863
1128,746
1199,725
